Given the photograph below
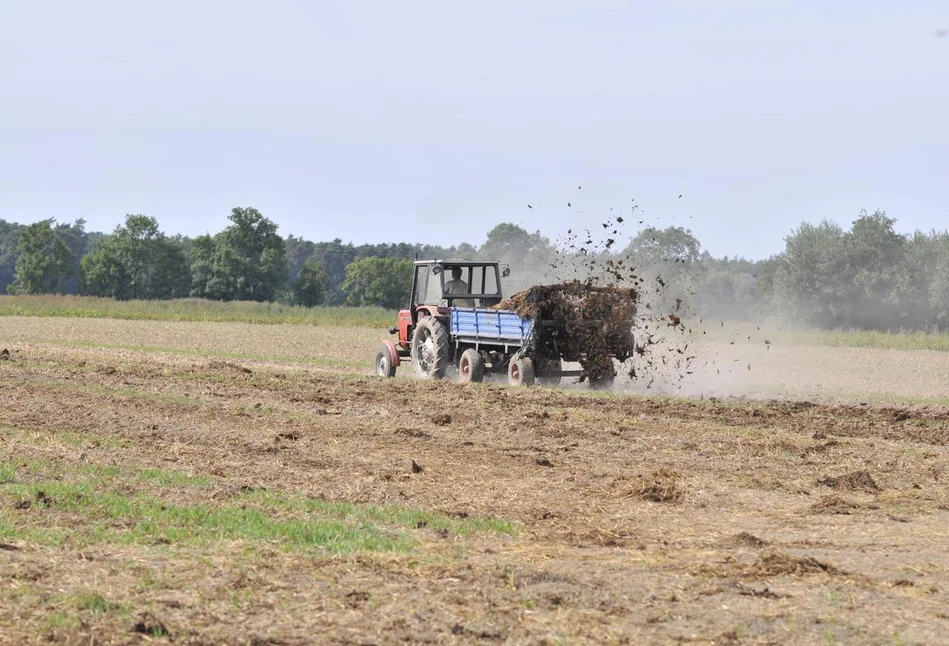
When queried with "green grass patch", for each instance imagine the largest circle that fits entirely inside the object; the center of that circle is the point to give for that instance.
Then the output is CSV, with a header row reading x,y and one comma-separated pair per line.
x,y
94,603
90,504
164,478
7,530
63,620
194,309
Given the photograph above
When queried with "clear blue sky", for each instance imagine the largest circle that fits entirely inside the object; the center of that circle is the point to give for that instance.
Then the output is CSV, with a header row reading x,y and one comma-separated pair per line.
x,y
433,121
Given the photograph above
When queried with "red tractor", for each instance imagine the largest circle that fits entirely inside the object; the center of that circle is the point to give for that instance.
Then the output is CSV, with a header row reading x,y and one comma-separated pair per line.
x,y
451,323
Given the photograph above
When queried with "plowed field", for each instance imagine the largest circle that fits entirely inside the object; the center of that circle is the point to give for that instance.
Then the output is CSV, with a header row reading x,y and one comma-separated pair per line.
x,y
223,483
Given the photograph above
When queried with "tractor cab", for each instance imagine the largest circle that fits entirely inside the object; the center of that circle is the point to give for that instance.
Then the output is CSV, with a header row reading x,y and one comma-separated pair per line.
x,y
439,285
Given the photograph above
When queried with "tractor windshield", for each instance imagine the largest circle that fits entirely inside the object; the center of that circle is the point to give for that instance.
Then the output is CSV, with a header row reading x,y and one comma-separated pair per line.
x,y
484,280
471,285
459,284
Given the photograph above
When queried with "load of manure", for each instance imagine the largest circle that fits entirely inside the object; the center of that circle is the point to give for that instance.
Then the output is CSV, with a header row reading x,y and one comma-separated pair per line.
x,y
579,322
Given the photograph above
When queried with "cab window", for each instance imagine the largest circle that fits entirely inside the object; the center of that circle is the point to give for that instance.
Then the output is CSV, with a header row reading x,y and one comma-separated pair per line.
x,y
483,280
421,284
428,286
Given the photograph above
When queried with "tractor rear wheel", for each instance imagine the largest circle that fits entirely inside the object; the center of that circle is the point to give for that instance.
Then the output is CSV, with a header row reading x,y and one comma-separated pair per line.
x,y
520,372
430,349
471,367
384,366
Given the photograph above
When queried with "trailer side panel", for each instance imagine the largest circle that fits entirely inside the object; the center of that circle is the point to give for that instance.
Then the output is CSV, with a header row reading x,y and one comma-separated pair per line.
x,y
487,325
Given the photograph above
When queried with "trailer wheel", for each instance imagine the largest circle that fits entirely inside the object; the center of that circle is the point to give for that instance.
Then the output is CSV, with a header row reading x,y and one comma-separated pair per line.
x,y
471,367
430,349
383,364
520,372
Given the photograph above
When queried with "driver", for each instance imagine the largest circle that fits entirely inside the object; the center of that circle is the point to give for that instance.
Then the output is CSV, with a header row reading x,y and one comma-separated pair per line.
x,y
457,286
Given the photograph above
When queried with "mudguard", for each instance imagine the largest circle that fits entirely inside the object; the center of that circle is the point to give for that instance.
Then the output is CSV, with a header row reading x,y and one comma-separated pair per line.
x,y
393,353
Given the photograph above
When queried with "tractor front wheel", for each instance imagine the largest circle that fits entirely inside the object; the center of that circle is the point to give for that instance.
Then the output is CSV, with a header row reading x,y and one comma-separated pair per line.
x,y
384,366
471,367
520,372
430,349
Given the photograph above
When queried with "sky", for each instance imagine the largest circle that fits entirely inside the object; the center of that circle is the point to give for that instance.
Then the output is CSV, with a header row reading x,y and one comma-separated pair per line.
x,y
433,121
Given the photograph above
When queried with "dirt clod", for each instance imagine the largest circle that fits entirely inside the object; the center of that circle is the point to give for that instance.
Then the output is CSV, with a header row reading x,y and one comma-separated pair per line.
x,y
855,481
747,540
226,365
444,419
780,563
412,432
764,593
834,504
150,625
659,486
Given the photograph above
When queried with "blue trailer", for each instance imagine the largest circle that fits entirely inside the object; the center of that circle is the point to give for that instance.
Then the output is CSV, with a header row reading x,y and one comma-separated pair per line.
x,y
479,326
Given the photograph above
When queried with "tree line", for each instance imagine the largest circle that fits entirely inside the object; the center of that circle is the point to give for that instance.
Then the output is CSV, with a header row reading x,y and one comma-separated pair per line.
x,y
867,277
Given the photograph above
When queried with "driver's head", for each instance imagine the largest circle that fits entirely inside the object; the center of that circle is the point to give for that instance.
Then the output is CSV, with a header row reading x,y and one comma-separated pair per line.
x,y
456,273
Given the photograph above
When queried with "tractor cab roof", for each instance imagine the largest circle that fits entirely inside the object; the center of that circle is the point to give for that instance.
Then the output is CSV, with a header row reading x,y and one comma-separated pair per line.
x,y
457,263
439,265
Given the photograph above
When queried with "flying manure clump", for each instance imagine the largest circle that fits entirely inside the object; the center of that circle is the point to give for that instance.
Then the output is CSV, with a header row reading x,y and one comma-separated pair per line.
x,y
599,307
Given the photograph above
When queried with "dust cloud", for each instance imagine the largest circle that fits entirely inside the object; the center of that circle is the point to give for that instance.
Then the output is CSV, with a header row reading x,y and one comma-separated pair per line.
x,y
678,349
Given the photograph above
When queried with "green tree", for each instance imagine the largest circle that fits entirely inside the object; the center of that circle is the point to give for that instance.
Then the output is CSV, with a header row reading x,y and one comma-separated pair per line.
x,y
876,255
666,264
44,261
136,261
925,285
76,238
298,252
861,278
312,284
810,281
384,282
201,259
334,257
9,239
250,261
528,255
933,257
672,245
728,288
170,273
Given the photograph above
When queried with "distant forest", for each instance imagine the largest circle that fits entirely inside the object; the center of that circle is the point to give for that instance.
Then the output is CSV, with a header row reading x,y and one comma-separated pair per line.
x,y
867,277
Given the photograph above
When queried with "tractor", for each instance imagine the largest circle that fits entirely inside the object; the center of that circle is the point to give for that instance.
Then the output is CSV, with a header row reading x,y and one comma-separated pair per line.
x,y
453,325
